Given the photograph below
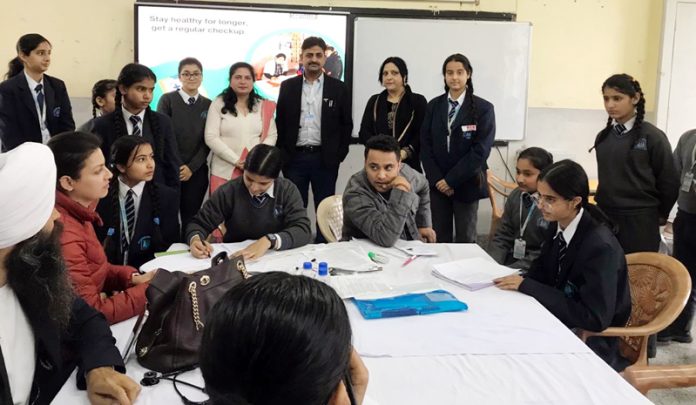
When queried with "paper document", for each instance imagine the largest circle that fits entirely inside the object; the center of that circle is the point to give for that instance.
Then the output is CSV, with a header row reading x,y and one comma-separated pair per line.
x,y
374,287
472,274
415,248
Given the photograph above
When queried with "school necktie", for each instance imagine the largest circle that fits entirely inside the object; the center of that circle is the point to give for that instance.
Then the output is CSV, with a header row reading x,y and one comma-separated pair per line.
x,y
562,248
135,120
619,129
527,200
453,109
192,100
39,96
258,200
129,206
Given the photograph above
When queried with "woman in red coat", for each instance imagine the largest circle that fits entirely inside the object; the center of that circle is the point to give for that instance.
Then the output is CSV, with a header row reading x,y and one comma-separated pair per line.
x,y
83,178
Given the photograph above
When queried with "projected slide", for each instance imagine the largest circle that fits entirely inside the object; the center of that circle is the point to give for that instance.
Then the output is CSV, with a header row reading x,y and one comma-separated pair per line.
x,y
268,40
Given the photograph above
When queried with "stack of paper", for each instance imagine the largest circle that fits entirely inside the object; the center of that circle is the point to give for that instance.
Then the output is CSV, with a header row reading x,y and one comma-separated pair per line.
x,y
472,274
415,248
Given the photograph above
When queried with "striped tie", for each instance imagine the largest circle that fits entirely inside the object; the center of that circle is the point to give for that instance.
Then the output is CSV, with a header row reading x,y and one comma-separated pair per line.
x,y
562,248
40,97
129,206
258,200
453,109
192,100
136,125
619,129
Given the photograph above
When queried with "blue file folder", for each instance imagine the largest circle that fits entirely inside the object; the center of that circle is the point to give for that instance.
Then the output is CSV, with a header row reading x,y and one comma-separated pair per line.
x,y
410,304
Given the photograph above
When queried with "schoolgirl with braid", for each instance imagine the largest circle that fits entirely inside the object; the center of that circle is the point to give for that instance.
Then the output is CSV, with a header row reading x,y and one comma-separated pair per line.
x,y
138,216
456,138
638,182
133,116
103,101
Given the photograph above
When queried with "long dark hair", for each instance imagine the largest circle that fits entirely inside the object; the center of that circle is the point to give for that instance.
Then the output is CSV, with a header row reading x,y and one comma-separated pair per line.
x,y
230,98
70,152
569,180
276,338
121,151
540,158
264,160
624,84
25,44
131,74
469,98
399,63
100,89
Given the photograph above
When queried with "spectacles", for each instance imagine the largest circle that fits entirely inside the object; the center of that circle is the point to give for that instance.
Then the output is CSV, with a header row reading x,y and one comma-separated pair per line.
x,y
194,75
545,200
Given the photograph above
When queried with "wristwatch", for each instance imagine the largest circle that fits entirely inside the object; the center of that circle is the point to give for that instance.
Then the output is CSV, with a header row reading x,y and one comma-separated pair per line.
x,y
273,239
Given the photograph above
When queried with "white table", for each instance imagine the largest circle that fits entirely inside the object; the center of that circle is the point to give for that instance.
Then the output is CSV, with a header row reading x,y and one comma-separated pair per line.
x,y
506,349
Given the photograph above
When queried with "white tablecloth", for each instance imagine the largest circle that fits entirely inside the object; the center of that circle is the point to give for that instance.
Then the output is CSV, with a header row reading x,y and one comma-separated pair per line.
x,y
506,349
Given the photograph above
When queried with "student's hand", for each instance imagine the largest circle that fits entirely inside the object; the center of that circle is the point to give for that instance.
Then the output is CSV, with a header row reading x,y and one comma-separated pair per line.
x,y
255,250
427,235
143,278
240,164
442,186
401,183
185,173
103,297
107,386
511,282
200,249
359,377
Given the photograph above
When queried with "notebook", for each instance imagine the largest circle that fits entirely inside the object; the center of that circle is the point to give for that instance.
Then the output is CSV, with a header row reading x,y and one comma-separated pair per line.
x,y
472,274
410,304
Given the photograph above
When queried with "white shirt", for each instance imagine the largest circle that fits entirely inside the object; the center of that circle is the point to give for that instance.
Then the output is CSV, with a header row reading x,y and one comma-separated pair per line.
x,y
628,124
185,96
45,134
310,112
17,343
569,231
137,194
459,100
269,191
129,125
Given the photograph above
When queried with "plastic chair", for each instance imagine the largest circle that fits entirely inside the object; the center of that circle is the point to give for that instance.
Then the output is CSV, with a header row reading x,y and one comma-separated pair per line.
x,y
646,378
660,286
497,187
330,218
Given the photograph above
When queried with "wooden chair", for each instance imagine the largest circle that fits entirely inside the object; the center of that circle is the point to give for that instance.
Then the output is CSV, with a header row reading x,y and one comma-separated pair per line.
x,y
330,217
497,187
660,286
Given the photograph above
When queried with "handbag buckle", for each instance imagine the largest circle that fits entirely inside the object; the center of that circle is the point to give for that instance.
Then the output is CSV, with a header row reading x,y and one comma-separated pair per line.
x,y
205,279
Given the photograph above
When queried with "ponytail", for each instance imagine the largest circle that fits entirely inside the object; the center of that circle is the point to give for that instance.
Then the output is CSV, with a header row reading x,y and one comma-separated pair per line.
x,y
14,67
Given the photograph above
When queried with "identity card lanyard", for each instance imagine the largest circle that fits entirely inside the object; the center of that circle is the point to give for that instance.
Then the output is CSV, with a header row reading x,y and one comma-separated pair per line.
x,y
520,247
689,176
42,113
311,97
124,229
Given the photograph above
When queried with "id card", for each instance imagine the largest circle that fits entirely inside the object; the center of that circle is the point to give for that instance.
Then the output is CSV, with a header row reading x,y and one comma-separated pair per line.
x,y
688,181
519,249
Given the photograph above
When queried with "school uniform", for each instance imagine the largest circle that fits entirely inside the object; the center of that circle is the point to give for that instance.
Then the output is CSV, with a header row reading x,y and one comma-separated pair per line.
x,y
581,277
638,183
402,120
455,144
188,115
31,114
684,228
141,244
314,130
167,160
521,220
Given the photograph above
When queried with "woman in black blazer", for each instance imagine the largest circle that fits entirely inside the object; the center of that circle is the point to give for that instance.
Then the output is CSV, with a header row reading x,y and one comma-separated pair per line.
x,y
456,139
32,113
581,275
397,111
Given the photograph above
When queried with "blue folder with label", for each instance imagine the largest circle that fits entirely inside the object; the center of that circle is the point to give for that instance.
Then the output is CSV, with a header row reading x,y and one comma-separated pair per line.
x,y
410,304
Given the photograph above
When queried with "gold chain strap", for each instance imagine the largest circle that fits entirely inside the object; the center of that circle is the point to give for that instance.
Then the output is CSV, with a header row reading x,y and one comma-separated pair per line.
x,y
194,300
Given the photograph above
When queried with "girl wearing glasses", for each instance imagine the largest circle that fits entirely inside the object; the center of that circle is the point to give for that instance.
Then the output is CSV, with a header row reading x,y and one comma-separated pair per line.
x,y
581,275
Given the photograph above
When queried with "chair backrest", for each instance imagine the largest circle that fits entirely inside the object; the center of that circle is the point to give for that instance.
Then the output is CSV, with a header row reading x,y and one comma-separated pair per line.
x,y
660,286
497,187
330,217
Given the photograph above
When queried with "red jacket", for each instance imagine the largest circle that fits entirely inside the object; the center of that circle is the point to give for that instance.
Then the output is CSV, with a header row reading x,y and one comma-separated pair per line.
x,y
89,270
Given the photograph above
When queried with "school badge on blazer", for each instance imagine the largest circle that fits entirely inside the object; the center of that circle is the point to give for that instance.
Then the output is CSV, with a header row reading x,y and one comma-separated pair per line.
x,y
641,144
278,211
144,243
56,112
204,114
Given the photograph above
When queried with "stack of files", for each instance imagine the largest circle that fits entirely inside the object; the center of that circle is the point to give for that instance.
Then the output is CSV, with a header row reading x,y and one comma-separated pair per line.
x,y
472,274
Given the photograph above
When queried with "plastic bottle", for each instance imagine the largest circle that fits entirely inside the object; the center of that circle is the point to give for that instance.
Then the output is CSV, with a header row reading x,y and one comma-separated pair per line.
x,y
323,273
307,270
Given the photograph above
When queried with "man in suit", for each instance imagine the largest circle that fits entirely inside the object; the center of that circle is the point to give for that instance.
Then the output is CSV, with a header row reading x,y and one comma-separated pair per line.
x,y
33,105
45,331
314,124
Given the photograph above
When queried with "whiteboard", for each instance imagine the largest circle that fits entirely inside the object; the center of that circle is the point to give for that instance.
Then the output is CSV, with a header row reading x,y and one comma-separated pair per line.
x,y
498,51
676,101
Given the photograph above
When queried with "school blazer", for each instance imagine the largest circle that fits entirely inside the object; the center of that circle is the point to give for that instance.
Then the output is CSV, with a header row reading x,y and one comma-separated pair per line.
x,y
167,167
87,342
591,291
463,166
19,121
336,121
143,247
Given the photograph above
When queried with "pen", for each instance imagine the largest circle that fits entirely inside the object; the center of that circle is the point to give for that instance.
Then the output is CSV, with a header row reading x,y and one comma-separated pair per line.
x,y
409,260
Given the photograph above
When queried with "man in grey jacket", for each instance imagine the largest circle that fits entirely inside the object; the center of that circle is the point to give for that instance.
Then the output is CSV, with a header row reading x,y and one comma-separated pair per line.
x,y
387,200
